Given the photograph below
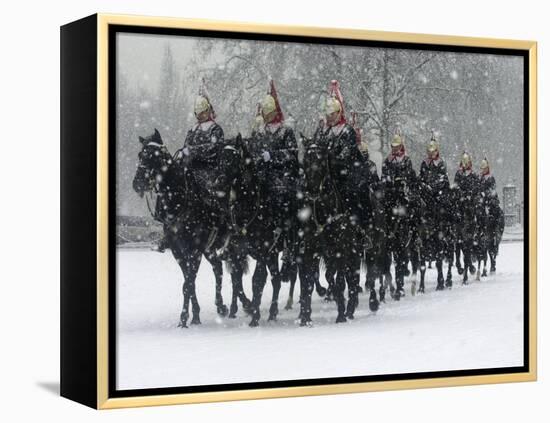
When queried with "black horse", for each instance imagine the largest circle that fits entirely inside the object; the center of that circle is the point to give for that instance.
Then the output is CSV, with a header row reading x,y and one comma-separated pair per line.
x,y
490,234
434,238
189,230
327,232
251,226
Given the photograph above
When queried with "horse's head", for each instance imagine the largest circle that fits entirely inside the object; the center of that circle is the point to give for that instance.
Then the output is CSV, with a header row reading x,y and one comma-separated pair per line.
x,y
315,164
154,161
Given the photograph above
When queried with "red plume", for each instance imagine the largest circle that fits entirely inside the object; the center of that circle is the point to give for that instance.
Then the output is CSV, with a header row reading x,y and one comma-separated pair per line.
x,y
273,92
356,128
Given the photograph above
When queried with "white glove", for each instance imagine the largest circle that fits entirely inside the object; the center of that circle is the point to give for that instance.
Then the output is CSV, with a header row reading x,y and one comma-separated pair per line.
x,y
185,151
266,156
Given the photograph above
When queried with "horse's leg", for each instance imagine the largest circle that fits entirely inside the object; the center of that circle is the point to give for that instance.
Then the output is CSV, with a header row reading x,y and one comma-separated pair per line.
x,y
493,256
416,261
339,287
458,248
309,271
238,290
234,307
259,279
372,271
352,276
467,260
422,265
290,301
195,263
400,265
217,268
449,254
183,262
329,276
320,289
273,265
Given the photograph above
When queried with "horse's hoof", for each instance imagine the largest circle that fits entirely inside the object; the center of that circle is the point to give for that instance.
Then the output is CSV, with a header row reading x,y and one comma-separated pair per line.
x,y
359,289
288,306
182,325
196,321
484,273
460,270
321,291
304,322
374,305
254,323
439,287
222,310
341,319
272,318
472,269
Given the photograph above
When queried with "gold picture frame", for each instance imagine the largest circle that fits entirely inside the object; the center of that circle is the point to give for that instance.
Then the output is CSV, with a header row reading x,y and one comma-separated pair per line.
x,y
97,261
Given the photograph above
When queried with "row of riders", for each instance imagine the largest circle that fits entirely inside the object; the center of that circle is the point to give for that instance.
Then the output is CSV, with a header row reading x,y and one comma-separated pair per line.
x,y
230,199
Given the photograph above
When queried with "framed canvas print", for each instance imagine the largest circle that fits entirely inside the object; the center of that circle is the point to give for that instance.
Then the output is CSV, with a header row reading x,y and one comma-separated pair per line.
x,y
254,211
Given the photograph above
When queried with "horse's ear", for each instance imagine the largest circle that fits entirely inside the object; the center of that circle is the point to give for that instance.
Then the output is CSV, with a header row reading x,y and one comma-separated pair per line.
x,y
141,140
156,136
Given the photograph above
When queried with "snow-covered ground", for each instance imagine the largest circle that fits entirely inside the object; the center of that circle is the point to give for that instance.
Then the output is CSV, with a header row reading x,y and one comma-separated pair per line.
x,y
468,327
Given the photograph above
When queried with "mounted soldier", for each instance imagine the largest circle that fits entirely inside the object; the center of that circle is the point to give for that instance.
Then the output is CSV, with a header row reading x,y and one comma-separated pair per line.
x,y
434,193
399,181
274,148
345,159
467,186
200,157
492,216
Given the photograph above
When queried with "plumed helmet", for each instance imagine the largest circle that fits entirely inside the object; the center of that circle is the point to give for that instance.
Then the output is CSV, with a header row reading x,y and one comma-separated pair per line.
x,y
433,145
332,105
268,105
201,105
484,164
465,161
397,141
202,102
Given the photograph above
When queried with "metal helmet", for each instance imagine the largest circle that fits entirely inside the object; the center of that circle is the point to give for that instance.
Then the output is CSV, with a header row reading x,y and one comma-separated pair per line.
x,y
433,145
397,141
201,105
465,161
268,105
332,105
484,164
